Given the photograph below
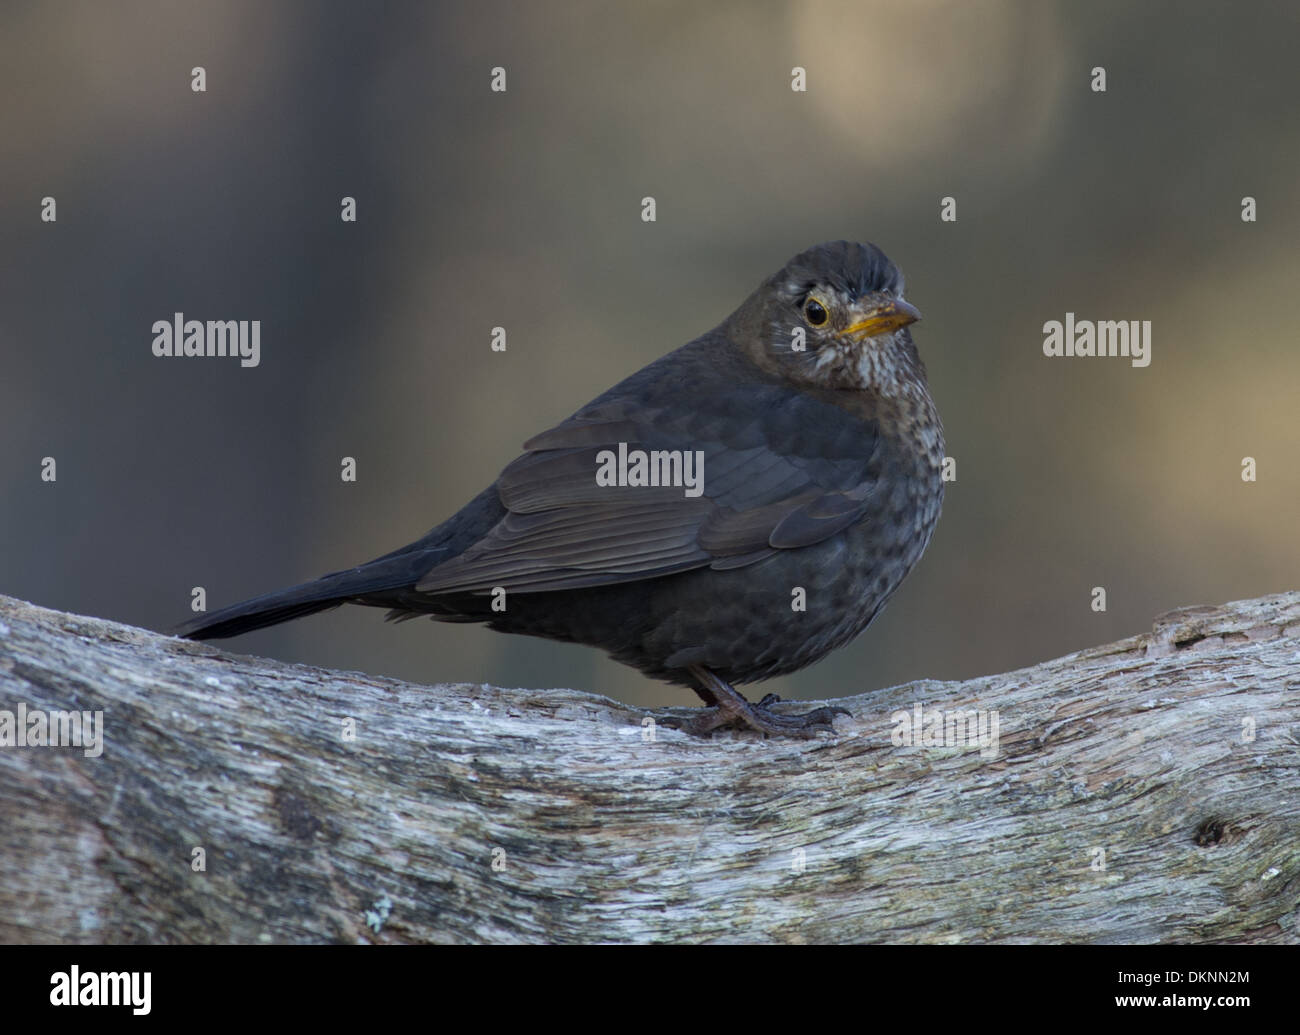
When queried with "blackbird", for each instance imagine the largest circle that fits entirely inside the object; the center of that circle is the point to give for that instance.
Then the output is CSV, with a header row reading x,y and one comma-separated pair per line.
x,y
731,512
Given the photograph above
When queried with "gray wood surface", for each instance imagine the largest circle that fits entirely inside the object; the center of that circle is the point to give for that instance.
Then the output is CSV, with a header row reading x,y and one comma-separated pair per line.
x,y
1143,791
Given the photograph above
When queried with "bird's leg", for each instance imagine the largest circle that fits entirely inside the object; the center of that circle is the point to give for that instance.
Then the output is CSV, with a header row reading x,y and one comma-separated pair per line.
x,y
730,708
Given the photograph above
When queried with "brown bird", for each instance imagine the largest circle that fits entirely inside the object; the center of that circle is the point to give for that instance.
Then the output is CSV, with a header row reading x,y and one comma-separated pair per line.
x,y
731,512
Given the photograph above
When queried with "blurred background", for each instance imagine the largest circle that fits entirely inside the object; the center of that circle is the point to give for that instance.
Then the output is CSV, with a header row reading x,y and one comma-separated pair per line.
x,y
522,209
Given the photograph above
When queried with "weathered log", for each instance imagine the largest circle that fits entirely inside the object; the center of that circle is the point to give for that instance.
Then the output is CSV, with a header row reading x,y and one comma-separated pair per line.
x,y
1143,791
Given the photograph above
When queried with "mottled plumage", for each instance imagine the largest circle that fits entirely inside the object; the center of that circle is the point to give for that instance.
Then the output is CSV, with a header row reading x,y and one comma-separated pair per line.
x,y
821,471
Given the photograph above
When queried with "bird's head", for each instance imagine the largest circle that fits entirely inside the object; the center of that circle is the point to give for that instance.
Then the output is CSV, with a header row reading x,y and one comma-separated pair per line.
x,y
834,317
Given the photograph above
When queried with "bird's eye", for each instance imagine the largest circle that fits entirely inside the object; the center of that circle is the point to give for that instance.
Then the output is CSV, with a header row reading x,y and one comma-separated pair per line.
x,y
815,312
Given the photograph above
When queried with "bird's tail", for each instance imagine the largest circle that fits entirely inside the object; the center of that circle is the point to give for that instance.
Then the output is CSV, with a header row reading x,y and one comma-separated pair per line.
x,y
392,572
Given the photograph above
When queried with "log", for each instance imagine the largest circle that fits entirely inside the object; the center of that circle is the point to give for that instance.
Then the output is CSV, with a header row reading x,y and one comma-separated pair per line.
x,y
1142,791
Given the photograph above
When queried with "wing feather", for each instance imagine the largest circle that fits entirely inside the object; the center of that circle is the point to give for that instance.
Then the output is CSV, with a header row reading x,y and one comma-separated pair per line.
x,y
765,489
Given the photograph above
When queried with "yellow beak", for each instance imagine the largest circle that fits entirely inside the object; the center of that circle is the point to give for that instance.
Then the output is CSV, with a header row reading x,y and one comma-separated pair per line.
x,y
882,317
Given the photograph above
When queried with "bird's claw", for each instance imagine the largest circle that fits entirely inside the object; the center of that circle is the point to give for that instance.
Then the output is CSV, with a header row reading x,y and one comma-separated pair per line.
x,y
758,717
731,709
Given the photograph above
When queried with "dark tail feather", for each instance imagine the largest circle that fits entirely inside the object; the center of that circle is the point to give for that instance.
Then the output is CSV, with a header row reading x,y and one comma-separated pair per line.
x,y
254,614
387,573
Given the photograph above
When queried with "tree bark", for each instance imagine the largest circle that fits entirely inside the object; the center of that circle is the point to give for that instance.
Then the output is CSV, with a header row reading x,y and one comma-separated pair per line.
x,y
1143,791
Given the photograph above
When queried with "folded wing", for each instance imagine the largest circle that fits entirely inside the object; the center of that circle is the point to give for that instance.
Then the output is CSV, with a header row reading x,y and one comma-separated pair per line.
x,y
764,490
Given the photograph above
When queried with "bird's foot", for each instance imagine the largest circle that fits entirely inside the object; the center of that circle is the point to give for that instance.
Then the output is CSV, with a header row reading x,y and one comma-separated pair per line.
x,y
732,710
762,720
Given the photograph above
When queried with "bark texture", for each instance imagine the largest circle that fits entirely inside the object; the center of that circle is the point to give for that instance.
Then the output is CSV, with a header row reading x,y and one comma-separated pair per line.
x,y
1143,791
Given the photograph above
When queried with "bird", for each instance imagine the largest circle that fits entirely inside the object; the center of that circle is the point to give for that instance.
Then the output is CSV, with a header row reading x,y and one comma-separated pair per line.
x,y
732,512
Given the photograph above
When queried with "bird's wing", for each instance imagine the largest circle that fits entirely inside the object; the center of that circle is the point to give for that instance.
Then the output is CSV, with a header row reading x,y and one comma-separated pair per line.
x,y
766,487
